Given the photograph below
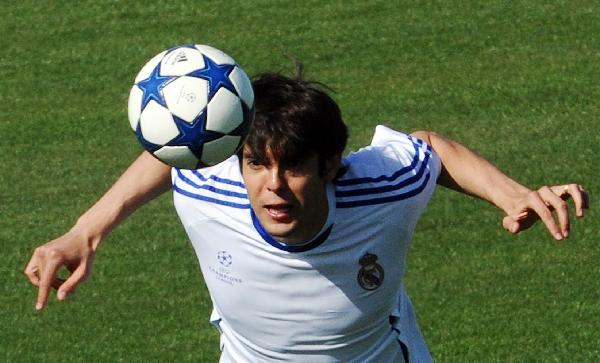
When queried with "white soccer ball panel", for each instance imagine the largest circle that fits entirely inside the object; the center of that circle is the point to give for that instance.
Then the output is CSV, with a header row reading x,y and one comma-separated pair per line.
x,y
216,55
134,106
149,67
181,61
242,85
186,97
177,156
224,112
213,152
157,124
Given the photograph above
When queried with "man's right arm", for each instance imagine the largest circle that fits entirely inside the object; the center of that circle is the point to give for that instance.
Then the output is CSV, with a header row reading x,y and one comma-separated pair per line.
x,y
145,179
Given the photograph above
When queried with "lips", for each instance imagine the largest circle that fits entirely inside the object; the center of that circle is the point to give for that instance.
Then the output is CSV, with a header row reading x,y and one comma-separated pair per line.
x,y
279,212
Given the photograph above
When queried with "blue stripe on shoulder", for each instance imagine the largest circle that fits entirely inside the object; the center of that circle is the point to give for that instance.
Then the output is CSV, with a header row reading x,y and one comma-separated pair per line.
x,y
209,199
217,179
390,187
386,199
392,177
211,188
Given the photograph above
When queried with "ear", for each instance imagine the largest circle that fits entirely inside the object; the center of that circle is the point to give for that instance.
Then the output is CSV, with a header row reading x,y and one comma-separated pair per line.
x,y
332,166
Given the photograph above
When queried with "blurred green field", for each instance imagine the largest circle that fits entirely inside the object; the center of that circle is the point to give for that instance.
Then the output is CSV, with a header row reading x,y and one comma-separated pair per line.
x,y
517,81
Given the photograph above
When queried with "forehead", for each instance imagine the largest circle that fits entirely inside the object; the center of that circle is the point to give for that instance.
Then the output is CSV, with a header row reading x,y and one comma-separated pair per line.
x,y
276,155
268,157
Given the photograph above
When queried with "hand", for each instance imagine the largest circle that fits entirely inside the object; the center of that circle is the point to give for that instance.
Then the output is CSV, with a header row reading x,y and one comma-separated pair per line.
x,y
74,251
542,204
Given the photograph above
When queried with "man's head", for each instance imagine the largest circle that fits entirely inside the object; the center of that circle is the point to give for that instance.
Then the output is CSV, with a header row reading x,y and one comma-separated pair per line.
x,y
293,149
295,119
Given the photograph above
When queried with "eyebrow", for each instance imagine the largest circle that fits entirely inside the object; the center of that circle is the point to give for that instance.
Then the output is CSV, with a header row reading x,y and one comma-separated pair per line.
x,y
249,155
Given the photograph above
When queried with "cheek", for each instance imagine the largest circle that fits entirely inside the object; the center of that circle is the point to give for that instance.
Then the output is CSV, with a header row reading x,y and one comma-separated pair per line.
x,y
251,194
251,187
306,190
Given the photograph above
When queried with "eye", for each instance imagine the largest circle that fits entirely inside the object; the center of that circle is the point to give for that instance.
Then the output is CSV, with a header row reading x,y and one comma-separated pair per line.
x,y
297,165
253,163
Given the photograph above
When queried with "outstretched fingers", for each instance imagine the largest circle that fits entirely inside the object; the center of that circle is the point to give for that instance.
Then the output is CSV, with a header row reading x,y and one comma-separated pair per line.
x,y
541,202
42,270
548,204
554,202
581,198
49,263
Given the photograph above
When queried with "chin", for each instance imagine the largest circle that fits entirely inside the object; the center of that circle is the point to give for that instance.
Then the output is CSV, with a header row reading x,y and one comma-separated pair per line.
x,y
283,234
279,232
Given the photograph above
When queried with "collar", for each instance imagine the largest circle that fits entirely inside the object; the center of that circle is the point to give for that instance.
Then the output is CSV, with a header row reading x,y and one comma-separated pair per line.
x,y
315,241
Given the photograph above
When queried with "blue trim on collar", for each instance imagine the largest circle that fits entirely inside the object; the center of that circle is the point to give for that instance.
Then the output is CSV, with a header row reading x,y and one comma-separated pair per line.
x,y
289,248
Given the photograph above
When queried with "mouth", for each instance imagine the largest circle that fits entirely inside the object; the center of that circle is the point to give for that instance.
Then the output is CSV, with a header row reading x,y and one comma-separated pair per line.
x,y
279,212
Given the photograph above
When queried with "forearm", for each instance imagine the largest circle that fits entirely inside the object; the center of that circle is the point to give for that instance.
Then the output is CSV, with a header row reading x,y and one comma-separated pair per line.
x,y
467,172
145,179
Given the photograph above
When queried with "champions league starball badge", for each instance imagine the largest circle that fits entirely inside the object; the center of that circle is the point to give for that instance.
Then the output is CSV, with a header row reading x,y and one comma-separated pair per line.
x,y
224,258
370,276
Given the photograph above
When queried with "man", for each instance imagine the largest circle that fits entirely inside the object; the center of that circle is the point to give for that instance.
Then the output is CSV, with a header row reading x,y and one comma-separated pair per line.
x,y
303,252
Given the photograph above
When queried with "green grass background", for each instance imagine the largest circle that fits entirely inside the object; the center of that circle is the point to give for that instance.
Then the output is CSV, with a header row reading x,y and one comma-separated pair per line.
x,y
517,81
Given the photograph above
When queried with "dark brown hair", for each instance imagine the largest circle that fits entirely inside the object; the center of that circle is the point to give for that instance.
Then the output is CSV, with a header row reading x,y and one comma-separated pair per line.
x,y
294,119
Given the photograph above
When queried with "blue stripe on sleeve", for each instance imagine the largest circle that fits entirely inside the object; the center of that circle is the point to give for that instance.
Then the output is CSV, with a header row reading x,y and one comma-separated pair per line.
x,y
217,179
390,198
209,199
211,188
380,178
387,188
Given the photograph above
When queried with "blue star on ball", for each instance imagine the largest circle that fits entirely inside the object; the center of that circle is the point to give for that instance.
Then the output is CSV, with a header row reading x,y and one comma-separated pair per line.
x,y
193,134
217,76
152,87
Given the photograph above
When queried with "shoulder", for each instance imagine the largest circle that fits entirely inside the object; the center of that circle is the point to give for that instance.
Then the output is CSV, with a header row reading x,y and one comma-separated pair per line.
x,y
394,166
390,150
220,184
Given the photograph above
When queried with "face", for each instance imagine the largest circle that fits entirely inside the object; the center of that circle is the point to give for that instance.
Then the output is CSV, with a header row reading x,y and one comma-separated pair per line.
x,y
290,201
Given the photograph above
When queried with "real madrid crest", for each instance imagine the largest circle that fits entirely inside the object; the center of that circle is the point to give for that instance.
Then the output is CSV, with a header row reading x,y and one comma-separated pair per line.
x,y
370,276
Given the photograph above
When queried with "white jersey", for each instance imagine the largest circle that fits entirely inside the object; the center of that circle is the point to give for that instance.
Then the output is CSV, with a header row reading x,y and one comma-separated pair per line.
x,y
337,298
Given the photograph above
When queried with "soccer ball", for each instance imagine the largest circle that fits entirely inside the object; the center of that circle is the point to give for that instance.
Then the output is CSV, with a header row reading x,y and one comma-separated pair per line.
x,y
191,106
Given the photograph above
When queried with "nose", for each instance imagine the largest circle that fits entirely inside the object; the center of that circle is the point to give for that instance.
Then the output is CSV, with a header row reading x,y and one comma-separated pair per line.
x,y
276,180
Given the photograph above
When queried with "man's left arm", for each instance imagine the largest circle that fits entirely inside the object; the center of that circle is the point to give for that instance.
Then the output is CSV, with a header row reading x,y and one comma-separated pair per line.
x,y
465,171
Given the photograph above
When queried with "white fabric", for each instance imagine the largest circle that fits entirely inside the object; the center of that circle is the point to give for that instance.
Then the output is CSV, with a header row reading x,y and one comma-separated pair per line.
x,y
306,303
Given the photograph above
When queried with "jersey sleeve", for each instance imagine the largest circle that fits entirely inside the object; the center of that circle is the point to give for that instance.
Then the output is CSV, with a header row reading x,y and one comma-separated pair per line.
x,y
210,190
405,147
395,167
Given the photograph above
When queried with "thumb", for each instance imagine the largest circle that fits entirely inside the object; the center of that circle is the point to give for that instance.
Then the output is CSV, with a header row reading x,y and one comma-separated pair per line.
x,y
70,285
511,225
